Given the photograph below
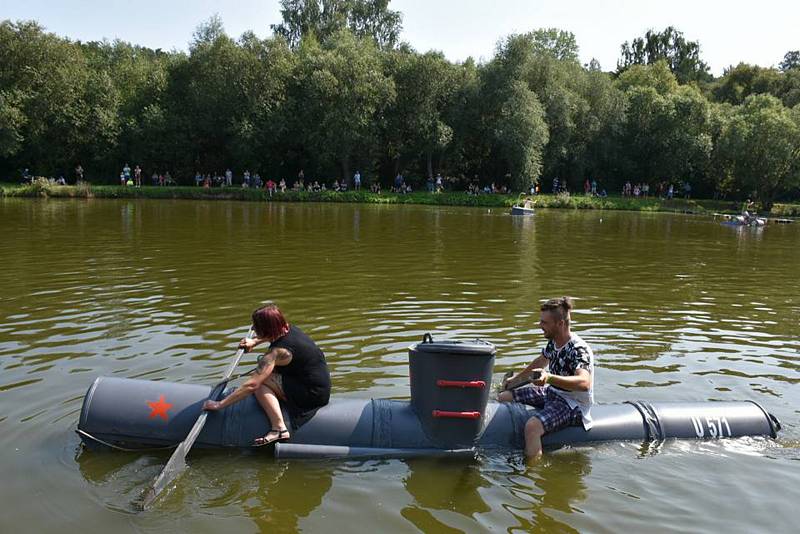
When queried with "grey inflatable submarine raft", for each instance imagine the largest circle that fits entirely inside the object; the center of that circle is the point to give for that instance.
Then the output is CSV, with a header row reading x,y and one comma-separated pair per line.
x,y
449,414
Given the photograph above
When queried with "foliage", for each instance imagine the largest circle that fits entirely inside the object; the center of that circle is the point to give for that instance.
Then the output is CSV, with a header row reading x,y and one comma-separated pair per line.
x,y
333,91
342,90
667,135
559,44
326,18
521,133
682,56
760,144
791,60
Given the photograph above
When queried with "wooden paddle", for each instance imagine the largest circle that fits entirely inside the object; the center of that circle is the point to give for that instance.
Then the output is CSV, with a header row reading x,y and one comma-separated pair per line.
x,y
177,462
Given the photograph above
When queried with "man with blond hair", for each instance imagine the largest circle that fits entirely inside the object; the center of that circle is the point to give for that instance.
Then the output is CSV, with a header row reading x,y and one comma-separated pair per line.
x,y
559,382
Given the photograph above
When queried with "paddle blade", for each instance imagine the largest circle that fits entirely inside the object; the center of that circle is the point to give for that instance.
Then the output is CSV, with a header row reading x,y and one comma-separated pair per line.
x,y
175,466
177,462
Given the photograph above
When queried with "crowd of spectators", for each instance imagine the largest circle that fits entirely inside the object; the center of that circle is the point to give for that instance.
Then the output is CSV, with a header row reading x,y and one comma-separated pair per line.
x,y
133,177
664,190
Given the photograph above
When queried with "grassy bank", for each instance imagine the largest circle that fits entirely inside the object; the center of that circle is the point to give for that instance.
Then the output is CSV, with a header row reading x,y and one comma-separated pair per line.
x,y
43,189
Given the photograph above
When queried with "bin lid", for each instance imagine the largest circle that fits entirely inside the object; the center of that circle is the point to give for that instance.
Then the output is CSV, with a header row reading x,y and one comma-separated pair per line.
x,y
472,347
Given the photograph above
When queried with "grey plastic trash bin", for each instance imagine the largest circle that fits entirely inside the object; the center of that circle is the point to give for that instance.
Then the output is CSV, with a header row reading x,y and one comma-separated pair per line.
x,y
450,382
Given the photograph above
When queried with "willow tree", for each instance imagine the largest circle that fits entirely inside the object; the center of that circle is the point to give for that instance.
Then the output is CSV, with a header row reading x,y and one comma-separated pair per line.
x,y
521,134
325,18
426,85
340,93
56,105
760,144
681,55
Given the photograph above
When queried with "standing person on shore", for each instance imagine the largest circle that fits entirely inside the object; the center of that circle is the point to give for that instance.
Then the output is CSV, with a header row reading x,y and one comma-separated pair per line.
x,y
137,176
357,181
126,172
78,174
293,372
561,379
228,177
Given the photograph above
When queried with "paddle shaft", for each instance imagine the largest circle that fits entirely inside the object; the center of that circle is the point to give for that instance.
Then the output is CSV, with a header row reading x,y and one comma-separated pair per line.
x,y
177,462
525,383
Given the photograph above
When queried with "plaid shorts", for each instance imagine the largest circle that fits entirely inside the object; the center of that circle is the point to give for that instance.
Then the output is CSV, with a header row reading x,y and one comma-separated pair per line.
x,y
551,409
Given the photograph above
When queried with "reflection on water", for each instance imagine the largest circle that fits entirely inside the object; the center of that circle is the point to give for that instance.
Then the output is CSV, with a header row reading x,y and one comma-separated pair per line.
x,y
675,307
294,492
538,498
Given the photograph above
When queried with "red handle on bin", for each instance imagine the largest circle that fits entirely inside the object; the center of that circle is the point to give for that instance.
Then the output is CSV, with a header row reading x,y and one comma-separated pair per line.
x,y
457,415
479,384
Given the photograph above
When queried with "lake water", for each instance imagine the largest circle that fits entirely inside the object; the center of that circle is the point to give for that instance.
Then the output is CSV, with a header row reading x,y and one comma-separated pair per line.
x,y
676,307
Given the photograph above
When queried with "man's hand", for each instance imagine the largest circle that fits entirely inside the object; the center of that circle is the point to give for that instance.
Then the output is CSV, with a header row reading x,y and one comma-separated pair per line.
x,y
211,406
543,375
506,379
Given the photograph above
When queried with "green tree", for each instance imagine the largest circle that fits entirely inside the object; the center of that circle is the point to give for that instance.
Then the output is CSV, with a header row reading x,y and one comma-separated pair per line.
x,y
682,56
340,93
425,86
12,121
790,88
791,60
239,82
760,147
46,80
325,18
132,80
559,44
667,127
521,134
743,80
657,75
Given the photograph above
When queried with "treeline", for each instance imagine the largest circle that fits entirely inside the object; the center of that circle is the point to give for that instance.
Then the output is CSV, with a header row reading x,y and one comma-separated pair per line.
x,y
333,91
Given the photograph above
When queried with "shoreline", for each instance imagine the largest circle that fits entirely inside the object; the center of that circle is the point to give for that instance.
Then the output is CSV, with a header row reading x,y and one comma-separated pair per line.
x,y
578,201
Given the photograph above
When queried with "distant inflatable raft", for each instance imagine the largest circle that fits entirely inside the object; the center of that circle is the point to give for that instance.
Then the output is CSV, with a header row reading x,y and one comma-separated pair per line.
x,y
448,414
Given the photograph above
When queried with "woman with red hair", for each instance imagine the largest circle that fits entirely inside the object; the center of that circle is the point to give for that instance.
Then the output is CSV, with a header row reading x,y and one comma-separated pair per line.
x,y
292,372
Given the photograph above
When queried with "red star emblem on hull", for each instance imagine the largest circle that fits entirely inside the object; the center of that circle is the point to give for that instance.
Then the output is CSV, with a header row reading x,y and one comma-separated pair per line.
x,y
159,408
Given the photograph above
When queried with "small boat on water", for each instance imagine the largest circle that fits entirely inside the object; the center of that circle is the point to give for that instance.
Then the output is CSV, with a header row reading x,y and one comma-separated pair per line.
x,y
522,210
742,220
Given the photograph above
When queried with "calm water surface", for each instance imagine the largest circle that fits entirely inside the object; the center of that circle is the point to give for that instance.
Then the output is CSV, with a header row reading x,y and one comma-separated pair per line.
x,y
675,307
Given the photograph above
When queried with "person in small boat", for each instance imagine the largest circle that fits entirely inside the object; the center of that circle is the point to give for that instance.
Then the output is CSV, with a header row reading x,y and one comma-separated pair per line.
x,y
563,392
748,211
293,372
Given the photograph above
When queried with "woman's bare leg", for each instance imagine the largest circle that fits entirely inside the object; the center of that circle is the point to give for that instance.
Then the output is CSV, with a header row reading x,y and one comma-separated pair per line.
x,y
267,396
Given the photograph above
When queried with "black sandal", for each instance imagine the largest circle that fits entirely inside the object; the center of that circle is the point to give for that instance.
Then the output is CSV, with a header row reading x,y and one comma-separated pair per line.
x,y
283,435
